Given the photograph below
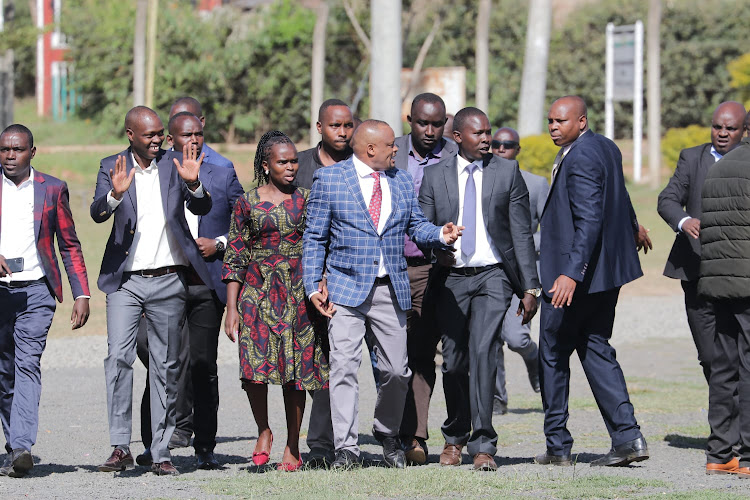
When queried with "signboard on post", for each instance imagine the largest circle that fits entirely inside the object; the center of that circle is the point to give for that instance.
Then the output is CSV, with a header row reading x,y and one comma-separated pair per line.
x,y
624,82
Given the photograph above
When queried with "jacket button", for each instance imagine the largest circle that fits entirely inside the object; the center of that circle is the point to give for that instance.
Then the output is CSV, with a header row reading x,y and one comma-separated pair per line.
x,y
132,231
127,253
375,262
102,214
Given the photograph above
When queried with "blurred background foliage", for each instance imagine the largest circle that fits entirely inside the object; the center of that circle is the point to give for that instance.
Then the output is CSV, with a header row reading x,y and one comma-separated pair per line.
x,y
251,71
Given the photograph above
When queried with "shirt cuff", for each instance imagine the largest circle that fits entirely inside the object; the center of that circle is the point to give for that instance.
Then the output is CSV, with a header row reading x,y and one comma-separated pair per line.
x,y
83,297
679,226
311,295
199,192
442,237
223,240
112,201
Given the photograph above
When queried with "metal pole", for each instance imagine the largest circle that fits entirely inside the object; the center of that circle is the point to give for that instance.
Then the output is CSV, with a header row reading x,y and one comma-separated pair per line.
x,y
609,87
153,13
385,62
638,102
139,53
654,93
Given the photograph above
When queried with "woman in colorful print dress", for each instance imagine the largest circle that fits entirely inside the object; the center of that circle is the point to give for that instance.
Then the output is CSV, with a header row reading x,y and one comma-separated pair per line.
x,y
263,272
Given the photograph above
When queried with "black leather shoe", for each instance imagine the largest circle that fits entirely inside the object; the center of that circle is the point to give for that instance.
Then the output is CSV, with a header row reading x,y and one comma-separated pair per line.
x,y
345,460
18,463
499,408
619,456
319,458
547,458
533,369
392,453
179,440
145,459
207,460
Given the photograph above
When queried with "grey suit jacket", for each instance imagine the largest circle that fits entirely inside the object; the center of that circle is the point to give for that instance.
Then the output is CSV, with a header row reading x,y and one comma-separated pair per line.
x,y
538,188
682,198
402,155
505,209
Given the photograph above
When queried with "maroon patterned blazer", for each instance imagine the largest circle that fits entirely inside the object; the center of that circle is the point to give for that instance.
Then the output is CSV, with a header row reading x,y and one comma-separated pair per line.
x,y
52,217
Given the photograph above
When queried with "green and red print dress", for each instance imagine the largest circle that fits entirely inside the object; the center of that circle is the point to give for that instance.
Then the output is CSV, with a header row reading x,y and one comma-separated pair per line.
x,y
277,341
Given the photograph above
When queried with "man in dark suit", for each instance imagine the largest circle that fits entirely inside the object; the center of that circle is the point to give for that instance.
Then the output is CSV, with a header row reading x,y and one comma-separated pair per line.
x,y
146,260
587,253
422,147
191,105
680,206
205,307
34,209
517,334
494,259
358,213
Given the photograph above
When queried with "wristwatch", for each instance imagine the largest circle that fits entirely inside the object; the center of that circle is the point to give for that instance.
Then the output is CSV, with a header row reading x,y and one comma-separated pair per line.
x,y
219,246
536,292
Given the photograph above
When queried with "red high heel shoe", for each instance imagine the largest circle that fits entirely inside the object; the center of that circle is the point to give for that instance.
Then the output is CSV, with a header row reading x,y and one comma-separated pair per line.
x,y
262,457
287,467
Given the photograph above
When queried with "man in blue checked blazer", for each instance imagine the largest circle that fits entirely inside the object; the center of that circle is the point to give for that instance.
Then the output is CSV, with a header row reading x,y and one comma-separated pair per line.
x,y
358,213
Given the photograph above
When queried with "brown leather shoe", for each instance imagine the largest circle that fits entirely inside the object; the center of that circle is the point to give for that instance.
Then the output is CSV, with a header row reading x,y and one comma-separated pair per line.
x,y
731,467
118,461
485,462
164,469
416,454
451,454
743,472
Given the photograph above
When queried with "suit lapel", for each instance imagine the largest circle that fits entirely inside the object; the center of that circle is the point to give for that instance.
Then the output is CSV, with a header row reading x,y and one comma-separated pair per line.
x,y
352,181
451,186
489,174
165,177
390,178
40,192
205,177
130,194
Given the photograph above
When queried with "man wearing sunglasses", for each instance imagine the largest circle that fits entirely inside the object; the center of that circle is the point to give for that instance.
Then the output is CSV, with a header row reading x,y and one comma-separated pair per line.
x,y
506,144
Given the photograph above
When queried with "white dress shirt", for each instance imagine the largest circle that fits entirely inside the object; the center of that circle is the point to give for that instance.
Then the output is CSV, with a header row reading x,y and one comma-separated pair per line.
x,y
17,238
154,245
485,253
717,156
367,185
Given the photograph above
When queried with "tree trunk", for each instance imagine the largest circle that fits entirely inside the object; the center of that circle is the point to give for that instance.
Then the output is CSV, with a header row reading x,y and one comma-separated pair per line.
x,y
653,94
482,57
139,53
385,62
153,13
318,67
534,78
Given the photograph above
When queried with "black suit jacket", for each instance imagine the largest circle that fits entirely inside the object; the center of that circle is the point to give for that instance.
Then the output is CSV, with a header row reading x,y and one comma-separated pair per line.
x,y
505,209
588,221
174,194
682,198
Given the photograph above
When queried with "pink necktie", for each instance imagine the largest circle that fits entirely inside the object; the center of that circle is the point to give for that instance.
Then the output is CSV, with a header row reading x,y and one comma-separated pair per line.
x,y
376,200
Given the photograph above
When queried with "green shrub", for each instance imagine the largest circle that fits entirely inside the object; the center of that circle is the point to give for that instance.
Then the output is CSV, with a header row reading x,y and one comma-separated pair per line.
x,y
677,139
537,154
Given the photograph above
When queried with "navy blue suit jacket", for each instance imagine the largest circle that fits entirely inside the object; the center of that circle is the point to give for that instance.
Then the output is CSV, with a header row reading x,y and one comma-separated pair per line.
x,y
588,222
224,187
215,158
174,194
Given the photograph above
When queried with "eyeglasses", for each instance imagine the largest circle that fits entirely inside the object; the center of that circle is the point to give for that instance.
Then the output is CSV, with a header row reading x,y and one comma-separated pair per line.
x,y
504,144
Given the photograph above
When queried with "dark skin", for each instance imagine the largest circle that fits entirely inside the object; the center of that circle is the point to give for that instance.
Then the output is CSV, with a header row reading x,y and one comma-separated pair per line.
x,y
282,168
473,141
336,127
566,121
427,120
187,131
505,135
15,157
727,126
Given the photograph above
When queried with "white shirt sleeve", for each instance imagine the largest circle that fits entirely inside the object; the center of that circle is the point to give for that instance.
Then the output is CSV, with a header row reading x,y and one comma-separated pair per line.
x,y
679,225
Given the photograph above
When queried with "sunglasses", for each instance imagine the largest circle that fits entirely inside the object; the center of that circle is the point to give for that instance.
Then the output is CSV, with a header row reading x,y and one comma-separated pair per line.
x,y
504,144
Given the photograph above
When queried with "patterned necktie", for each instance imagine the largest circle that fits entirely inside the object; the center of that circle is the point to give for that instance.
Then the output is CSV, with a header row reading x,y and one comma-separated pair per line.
x,y
556,165
376,200
469,236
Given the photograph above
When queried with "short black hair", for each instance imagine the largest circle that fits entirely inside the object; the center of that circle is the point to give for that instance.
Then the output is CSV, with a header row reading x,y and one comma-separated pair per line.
x,y
190,102
177,116
327,104
430,98
17,128
465,114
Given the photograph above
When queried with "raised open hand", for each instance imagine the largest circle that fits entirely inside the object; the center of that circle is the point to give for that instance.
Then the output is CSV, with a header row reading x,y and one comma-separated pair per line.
x,y
120,177
191,164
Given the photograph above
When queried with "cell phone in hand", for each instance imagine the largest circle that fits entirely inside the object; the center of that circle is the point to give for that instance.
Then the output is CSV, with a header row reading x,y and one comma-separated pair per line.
x,y
15,264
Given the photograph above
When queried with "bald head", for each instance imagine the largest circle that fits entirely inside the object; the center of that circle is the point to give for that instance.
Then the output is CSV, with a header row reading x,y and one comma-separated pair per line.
x,y
188,104
145,133
373,144
140,114
727,126
506,143
567,120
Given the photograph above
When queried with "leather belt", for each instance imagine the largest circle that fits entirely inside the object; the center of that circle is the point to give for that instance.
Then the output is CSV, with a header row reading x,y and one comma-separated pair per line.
x,y
22,284
418,261
473,271
160,271
383,281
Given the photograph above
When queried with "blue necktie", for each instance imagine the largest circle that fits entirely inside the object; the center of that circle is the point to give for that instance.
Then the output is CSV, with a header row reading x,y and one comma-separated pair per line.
x,y
469,236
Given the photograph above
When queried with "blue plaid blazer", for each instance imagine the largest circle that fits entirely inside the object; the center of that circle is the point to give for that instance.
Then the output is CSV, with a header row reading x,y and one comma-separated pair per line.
x,y
341,237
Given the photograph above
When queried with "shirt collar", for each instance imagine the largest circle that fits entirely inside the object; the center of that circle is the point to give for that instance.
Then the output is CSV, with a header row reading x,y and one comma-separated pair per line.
x,y
151,166
717,156
362,168
436,152
10,183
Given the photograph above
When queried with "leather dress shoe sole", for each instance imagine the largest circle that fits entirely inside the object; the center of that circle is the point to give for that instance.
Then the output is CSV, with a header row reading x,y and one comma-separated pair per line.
x,y
731,467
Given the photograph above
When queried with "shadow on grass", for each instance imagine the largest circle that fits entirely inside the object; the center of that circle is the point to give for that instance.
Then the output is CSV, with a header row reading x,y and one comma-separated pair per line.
x,y
524,411
680,441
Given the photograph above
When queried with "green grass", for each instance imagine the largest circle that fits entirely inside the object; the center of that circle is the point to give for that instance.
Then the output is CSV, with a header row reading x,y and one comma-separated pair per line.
x,y
48,132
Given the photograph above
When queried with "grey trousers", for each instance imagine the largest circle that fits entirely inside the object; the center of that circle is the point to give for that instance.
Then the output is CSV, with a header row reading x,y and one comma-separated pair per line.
x,y
162,301
346,330
518,338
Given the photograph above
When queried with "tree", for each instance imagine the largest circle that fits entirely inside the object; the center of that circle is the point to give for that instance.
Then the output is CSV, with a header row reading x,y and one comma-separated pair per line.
x,y
534,79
